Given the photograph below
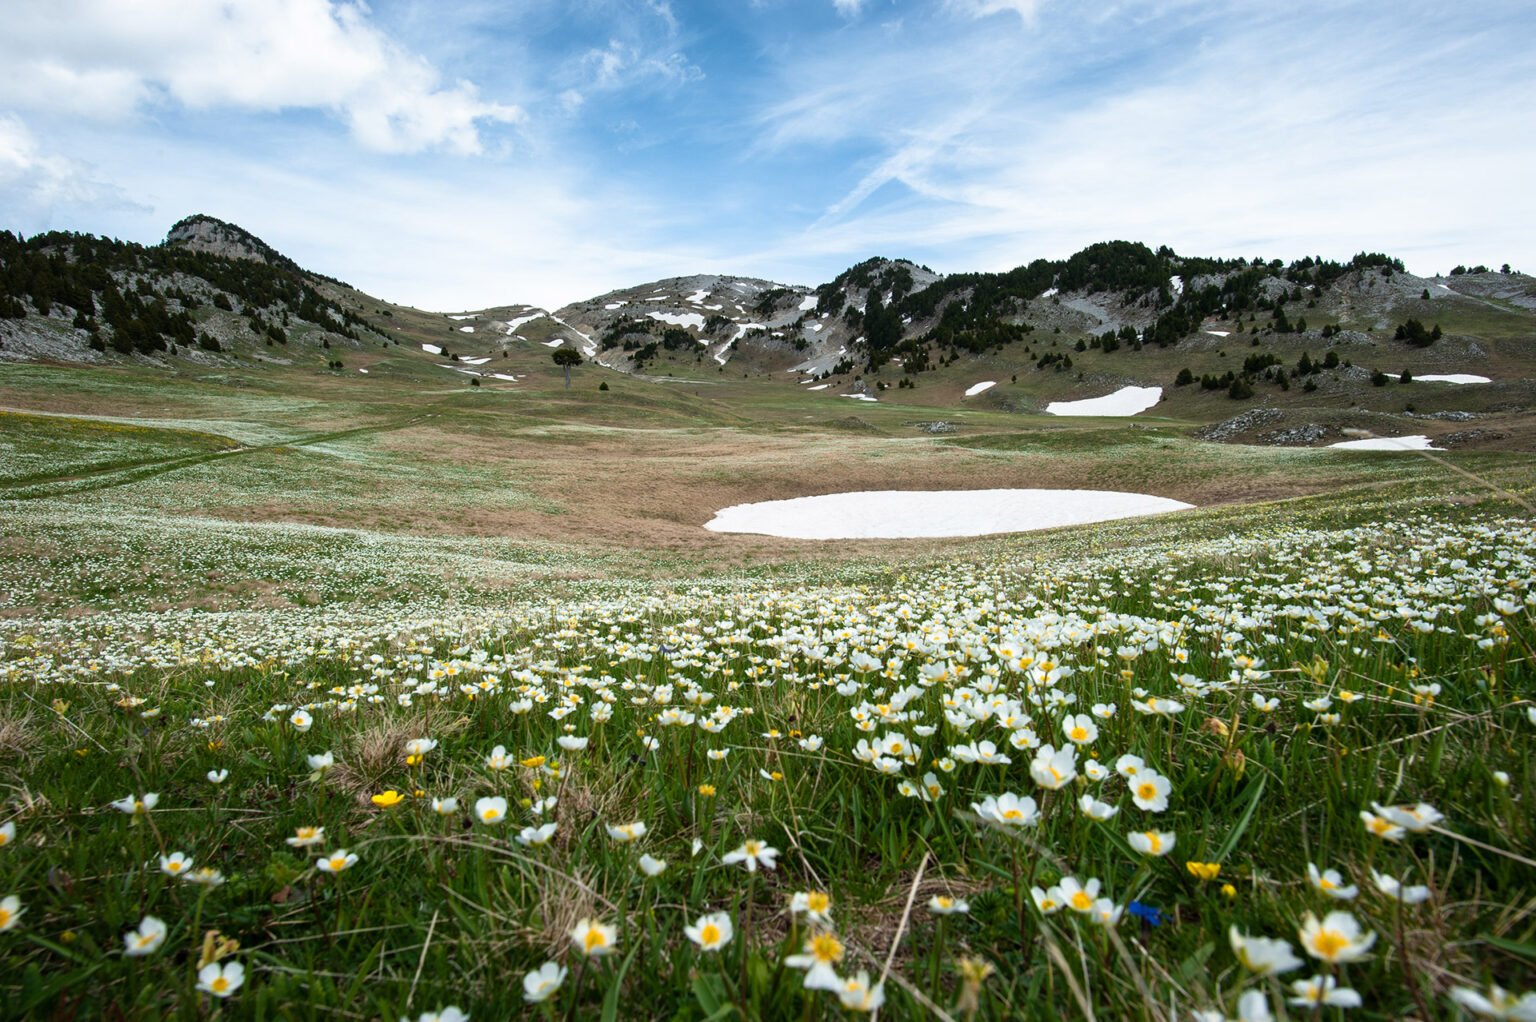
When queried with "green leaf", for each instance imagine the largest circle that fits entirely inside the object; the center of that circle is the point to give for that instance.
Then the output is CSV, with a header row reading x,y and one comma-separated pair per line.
x,y
1236,833
611,998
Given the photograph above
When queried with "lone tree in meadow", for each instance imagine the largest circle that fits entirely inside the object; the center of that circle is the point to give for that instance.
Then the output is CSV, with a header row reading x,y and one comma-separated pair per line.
x,y
565,358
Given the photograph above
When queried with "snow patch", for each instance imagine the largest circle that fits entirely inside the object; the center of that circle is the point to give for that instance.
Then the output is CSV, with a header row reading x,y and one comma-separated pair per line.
x,y
1452,378
513,324
472,315
1388,443
504,376
553,344
1125,401
1177,283
431,349
692,319
860,397
362,370
615,305
1219,333
808,303
1049,292
697,298
819,386
818,327
474,361
909,514
977,388
466,329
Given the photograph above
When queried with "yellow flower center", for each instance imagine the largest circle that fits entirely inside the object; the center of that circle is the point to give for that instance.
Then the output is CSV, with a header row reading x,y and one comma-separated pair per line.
x,y
710,934
816,901
1328,944
5,917
593,939
338,862
1147,792
753,847
1081,901
219,985
826,948
1154,842
1079,734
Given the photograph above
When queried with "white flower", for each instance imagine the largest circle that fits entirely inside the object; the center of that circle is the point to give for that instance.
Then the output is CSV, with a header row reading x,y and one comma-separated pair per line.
x,y
445,806
175,864
452,1013
420,747
337,861
220,980
752,854
7,833
1392,888
1096,810
536,836
857,995
1149,790
711,932
1008,810
1322,990
1263,955
594,939
491,809
136,806
651,866
301,722
1152,842
543,981
1079,729
1052,769
1496,1003
10,911
1331,883
940,905
1417,818
218,776
146,939
570,743
1337,938
626,832
321,763
498,759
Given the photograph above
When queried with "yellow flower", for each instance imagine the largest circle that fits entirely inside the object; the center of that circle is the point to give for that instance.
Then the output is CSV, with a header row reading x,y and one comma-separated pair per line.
x,y
707,790
532,762
387,799
1203,870
413,759
1228,891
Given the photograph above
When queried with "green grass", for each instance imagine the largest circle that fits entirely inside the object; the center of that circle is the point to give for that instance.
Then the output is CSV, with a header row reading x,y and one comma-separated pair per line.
x,y
442,909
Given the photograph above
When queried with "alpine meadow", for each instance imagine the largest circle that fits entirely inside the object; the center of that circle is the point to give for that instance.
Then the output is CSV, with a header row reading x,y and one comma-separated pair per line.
x,y
1024,625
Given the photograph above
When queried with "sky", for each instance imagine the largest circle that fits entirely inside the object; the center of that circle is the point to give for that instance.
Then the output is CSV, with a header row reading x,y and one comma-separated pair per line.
x,y
459,154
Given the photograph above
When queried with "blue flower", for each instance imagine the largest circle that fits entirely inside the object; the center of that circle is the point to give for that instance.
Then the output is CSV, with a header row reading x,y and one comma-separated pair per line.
x,y
1146,913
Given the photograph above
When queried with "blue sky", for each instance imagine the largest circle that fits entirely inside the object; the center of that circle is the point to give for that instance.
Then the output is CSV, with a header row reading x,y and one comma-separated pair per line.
x,y
455,155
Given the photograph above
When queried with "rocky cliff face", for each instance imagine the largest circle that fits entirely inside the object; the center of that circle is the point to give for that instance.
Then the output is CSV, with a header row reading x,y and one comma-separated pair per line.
x,y
215,237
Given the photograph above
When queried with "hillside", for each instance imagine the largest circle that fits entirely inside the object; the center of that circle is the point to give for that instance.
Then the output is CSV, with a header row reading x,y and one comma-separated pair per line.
x,y
1267,352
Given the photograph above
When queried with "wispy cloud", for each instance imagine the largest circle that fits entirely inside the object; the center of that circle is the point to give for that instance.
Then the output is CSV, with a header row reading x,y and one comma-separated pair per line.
x,y
39,181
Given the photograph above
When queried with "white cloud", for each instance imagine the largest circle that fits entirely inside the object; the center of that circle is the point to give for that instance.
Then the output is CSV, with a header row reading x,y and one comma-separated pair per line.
x,y
848,8
1025,9
107,59
35,182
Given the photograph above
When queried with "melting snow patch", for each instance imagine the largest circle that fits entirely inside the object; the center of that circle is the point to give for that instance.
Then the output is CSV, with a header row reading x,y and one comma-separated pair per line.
x,y
513,324
818,327
808,303
860,397
466,329
819,386
1388,443
474,361
1125,401
431,349
362,370
697,298
977,388
472,315
1049,292
504,376
910,514
1177,283
553,344
692,319
615,305
1453,378
1219,333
